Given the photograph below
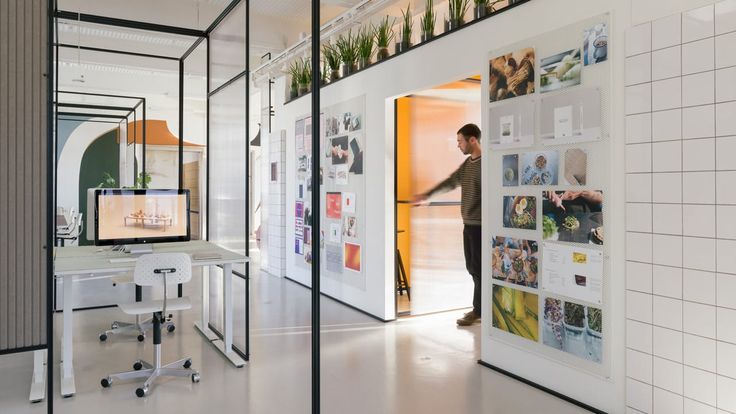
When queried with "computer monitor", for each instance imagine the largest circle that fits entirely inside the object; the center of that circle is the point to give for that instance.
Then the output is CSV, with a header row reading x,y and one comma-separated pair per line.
x,y
141,216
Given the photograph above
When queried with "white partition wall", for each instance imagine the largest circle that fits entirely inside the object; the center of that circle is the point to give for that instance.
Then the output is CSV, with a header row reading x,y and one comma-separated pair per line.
x,y
681,212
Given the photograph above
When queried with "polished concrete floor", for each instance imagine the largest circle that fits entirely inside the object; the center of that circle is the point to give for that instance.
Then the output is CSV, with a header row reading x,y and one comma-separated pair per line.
x,y
417,365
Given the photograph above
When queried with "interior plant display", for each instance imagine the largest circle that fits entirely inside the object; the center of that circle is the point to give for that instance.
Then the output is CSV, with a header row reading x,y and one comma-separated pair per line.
x,y
484,7
305,76
406,29
323,74
427,21
384,34
108,181
348,47
456,16
143,180
366,46
332,60
295,70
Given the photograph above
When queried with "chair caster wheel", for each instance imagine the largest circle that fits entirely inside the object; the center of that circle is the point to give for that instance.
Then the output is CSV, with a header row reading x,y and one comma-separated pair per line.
x,y
103,337
187,363
141,338
114,326
106,382
195,377
137,366
170,328
141,392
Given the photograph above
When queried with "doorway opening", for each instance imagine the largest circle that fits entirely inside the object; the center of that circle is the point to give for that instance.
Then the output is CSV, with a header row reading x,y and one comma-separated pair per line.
x,y
430,265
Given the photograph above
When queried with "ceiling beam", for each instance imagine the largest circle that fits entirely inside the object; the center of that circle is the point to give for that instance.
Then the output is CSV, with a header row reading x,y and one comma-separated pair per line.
x,y
131,24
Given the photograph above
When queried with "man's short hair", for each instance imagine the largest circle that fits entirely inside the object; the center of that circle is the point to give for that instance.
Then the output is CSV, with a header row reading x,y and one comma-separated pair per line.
x,y
469,130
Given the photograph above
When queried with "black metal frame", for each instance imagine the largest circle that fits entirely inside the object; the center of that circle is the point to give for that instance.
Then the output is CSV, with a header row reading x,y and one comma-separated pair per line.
x,y
53,15
316,157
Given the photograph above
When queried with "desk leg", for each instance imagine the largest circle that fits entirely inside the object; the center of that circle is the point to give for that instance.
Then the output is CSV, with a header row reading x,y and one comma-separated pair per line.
x,y
67,351
38,384
203,325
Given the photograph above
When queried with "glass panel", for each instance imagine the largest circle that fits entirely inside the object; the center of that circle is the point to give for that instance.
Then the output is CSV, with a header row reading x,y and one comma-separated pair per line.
x,y
227,57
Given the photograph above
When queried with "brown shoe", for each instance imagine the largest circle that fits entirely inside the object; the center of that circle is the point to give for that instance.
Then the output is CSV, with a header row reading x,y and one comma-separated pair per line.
x,y
468,319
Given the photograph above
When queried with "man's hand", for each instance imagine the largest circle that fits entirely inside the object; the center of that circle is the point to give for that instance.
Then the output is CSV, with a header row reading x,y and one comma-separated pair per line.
x,y
419,199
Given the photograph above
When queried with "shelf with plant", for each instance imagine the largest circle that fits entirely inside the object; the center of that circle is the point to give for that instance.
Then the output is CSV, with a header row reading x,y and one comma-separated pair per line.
x,y
348,48
407,24
484,7
456,14
332,60
295,71
384,34
305,76
366,47
427,21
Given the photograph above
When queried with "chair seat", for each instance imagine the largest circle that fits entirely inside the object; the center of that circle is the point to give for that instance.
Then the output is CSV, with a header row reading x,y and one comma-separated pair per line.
x,y
151,306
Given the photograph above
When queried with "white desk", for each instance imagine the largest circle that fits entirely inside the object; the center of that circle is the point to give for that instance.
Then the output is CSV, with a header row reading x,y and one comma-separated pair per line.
x,y
87,262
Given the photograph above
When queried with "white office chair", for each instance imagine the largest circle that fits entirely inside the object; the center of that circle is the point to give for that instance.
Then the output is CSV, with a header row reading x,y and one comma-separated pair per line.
x,y
72,230
140,326
160,269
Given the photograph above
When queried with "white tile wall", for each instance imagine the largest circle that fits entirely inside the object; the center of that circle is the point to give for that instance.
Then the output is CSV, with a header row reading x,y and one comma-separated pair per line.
x,y
681,213
277,243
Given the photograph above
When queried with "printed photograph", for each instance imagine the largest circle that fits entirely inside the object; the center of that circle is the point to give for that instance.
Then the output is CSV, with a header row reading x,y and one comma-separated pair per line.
x,y
515,312
339,150
573,328
520,212
595,44
334,205
512,75
576,167
539,168
356,166
510,173
573,216
352,257
560,71
332,126
515,260
350,227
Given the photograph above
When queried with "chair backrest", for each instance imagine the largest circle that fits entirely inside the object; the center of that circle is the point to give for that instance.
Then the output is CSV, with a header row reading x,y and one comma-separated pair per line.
x,y
151,268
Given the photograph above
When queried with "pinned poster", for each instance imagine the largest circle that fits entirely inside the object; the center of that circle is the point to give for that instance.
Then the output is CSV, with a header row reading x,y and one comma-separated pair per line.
x,y
341,174
333,258
348,202
335,233
334,205
573,271
352,257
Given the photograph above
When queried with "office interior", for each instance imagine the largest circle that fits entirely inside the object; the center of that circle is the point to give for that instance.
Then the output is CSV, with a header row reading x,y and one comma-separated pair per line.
x,y
266,157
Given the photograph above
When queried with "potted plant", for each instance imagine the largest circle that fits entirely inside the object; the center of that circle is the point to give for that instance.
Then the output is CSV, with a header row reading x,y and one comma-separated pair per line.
x,y
332,60
427,21
384,33
406,28
323,75
305,77
456,17
348,48
366,44
295,71
481,8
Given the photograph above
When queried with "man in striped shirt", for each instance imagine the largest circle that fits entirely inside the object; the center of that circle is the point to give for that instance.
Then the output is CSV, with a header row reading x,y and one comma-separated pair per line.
x,y
467,176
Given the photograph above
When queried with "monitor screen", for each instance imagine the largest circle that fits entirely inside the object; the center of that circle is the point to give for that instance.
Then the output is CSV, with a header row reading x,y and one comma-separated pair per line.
x,y
132,216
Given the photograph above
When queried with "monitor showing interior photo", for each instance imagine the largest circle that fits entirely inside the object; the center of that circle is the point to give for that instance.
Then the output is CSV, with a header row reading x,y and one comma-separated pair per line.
x,y
141,216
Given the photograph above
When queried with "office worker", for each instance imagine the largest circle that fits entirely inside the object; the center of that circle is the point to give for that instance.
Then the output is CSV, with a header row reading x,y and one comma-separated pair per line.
x,y
468,177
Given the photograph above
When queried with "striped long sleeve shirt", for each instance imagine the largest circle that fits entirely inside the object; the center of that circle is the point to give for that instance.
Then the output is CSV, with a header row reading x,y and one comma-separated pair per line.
x,y
467,176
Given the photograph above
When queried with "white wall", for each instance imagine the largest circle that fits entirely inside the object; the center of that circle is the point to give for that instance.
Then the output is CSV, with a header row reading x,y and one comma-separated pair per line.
x,y
463,54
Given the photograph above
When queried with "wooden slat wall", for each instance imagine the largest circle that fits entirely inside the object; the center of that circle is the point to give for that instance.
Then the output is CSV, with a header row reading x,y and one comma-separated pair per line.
x,y
23,157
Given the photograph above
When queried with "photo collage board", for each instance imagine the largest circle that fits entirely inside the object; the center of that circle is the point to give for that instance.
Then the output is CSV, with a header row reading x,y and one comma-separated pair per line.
x,y
547,117
342,193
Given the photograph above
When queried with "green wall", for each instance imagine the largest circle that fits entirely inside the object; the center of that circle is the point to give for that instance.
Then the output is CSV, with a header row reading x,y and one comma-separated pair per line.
x,y
102,156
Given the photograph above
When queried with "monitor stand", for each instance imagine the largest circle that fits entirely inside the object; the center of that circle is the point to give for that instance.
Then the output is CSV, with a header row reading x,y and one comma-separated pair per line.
x,y
138,248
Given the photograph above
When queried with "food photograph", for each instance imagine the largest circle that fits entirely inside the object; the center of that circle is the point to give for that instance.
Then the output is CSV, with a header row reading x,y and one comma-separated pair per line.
x,y
510,170
573,328
573,216
539,168
520,212
515,261
512,75
515,311
560,71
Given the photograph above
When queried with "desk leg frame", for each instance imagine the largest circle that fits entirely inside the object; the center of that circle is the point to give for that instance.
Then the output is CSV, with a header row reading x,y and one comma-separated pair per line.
x,y
38,383
224,345
68,387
